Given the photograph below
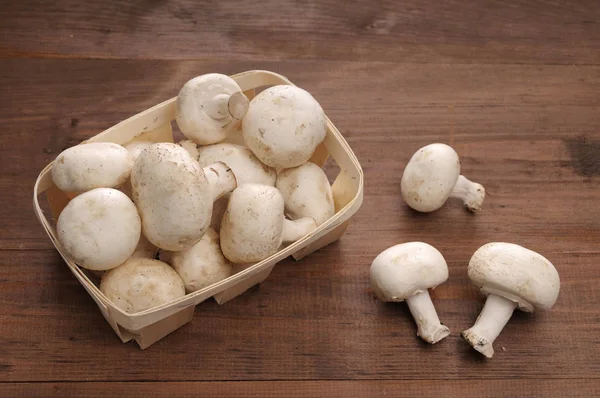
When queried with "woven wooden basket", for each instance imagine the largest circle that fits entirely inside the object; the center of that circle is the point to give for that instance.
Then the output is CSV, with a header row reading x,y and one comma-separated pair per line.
x,y
154,124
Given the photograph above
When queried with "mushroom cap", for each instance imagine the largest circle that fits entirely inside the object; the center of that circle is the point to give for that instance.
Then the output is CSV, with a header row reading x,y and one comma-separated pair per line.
x,y
173,196
99,229
252,227
84,167
140,284
515,273
283,126
430,177
306,192
404,270
192,108
245,165
136,147
202,264
145,249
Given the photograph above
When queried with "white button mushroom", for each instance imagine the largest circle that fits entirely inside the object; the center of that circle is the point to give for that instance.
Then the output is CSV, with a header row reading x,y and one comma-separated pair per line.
x,y
136,147
511,276
145,249
84,167
433,175
283,126
254,225
140,284
174,195
208,107
99,229
201,265
306,192
246,167
406,272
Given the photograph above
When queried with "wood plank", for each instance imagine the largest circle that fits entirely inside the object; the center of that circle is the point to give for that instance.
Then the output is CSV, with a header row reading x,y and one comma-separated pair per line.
x,y
312,319
456,31
331,388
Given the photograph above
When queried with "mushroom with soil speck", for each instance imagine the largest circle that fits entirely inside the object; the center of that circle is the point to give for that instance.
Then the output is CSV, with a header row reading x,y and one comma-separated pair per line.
x,y
174,195
254,226
84,167
140,284
283,126
208,107
201,265
136,147
99,229
405,272
245,166
433,175
511,276
306,192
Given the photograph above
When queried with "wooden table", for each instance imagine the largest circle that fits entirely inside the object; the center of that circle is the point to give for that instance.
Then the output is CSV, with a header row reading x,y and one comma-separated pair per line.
x,y
513,86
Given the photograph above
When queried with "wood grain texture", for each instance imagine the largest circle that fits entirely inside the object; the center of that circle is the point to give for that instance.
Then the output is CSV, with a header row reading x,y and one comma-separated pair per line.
x,y
523,388
456,31
512,86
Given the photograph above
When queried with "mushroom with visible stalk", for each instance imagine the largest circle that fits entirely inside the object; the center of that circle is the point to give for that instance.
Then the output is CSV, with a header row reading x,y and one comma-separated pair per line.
x,y
202,264
208,107
140,284
175,196
433,175
306,192
99,229
254,226
283,126
245,166
405,272
84,167
511,276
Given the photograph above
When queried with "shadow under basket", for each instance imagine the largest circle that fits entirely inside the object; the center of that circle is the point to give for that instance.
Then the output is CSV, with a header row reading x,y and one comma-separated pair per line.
x,y
155,124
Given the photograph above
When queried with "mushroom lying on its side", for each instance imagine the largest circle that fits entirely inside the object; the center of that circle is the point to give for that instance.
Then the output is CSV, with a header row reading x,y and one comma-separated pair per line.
x,y
208,107
202,264
245,166
84,167
306,192
433,175
174,195
283,126
99,229
254,225
140,284
511,276
406,272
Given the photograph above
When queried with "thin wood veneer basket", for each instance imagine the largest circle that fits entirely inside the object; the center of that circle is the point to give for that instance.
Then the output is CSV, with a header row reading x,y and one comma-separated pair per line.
x,y
154,124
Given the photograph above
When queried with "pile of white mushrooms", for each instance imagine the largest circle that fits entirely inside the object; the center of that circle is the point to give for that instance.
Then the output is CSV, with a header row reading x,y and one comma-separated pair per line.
x,y
509,275
158,220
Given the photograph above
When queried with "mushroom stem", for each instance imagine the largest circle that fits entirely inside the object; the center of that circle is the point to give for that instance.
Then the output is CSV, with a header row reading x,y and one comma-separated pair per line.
x,y
429,327
223,105
296,229
493,317
471,193
221,179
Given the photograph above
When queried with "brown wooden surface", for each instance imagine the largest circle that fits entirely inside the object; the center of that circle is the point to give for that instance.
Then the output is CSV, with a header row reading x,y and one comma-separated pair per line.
x,y
515,88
